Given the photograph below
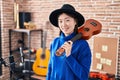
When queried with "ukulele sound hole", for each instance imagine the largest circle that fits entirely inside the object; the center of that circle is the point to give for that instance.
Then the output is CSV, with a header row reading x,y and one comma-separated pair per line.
x,y
93,23
86,29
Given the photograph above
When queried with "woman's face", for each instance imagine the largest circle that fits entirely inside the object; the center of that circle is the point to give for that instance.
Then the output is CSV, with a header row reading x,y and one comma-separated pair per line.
x,y
66,23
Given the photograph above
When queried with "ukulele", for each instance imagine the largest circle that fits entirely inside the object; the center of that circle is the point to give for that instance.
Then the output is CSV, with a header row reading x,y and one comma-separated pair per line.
x,y
90,27
40,66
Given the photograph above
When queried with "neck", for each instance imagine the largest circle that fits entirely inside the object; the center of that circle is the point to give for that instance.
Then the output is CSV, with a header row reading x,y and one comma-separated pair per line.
x,y
67,34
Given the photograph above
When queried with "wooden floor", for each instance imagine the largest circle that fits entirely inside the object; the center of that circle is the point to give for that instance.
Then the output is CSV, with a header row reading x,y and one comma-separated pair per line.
x,y
36,77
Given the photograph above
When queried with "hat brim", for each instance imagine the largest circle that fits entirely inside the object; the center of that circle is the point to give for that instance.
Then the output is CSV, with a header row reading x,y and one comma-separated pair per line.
x,y
54,16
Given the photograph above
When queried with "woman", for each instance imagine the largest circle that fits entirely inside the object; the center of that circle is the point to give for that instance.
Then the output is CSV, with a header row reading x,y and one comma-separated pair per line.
x,y
74,63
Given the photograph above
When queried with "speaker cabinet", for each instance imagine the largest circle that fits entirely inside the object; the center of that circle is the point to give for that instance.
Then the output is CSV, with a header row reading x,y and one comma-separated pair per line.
x,y
24,17
28,66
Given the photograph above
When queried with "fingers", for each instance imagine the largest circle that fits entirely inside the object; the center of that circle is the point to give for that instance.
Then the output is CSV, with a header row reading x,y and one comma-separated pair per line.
x,y
70,42
67,46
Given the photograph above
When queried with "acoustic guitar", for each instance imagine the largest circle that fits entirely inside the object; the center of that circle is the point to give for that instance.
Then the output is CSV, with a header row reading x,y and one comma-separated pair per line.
x,y
87,30
40,66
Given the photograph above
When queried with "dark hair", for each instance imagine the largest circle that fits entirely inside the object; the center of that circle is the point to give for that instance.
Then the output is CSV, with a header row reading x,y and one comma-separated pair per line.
x,y
73,16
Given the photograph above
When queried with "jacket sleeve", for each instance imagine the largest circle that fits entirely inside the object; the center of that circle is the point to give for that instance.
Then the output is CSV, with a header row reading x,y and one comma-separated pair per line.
x,y
51,59
49,71
81,65
49,68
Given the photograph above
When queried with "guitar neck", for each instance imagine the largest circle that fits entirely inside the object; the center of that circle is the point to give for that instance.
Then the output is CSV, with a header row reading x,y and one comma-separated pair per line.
x,y
44,42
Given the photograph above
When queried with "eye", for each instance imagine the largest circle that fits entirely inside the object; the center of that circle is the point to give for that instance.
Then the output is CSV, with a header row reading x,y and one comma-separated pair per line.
x,y
67,20
60,21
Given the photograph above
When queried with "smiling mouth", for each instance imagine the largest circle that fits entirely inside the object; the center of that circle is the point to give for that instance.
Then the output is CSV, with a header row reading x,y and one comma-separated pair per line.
x,y
65,29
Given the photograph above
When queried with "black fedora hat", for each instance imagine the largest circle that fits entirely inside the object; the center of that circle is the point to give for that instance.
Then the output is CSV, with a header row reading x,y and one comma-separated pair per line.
x,y
66,8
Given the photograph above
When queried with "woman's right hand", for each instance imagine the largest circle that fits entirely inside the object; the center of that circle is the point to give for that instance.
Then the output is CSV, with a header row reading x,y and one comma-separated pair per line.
x,y
67,46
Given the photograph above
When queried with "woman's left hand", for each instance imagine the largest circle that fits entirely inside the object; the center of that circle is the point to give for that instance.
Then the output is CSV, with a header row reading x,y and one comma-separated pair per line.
x,y
67,46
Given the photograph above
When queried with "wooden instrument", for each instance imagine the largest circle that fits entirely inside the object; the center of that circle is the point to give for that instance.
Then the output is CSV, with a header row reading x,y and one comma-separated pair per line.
x,y
40,66
90,28
16,15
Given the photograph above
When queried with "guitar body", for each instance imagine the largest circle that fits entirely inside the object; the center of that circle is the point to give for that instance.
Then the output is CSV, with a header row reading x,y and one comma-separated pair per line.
x,y
40,66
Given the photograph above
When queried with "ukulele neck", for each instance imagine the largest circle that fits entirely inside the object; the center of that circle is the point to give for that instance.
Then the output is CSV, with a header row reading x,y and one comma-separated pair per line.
x,y
78,36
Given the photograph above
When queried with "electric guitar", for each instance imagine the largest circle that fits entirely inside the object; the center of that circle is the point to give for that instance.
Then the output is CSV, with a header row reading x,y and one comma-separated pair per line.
x,y
40,66
90,28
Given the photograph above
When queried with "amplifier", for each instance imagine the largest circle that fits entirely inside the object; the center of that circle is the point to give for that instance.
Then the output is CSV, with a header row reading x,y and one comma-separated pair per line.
x,y
28,66
24,17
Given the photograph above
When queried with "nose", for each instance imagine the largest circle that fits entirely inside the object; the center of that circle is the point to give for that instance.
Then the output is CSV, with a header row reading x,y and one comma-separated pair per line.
x,y
63,24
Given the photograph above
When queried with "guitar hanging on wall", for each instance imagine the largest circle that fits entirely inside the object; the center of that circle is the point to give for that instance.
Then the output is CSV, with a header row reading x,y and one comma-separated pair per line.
x,y
40,66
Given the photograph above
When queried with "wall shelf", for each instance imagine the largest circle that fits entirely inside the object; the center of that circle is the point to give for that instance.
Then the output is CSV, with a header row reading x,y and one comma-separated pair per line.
x,y
28,32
